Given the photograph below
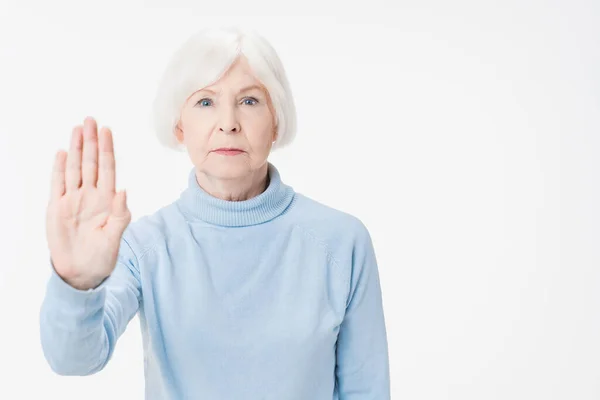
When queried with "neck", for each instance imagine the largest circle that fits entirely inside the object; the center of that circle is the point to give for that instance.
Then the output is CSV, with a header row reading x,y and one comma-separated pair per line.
x,y
235,189
198,205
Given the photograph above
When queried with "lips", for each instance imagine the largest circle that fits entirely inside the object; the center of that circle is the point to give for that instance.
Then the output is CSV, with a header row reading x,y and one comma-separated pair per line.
x,y
228,151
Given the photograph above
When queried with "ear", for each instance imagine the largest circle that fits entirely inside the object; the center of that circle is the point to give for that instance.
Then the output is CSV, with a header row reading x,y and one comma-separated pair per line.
x,y
179,132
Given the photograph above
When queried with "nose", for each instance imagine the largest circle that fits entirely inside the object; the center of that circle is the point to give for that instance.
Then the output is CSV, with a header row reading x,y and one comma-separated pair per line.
x,y
229,128
228,122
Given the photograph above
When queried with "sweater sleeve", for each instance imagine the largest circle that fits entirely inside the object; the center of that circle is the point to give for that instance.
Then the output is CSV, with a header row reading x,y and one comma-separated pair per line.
x,y
362,361
79,328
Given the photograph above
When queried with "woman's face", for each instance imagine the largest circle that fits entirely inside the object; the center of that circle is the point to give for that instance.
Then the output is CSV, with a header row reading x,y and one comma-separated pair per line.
x,y
233,113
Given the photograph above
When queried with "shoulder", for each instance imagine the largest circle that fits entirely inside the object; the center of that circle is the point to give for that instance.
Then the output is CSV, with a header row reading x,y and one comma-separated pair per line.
x,y
339,231
325,218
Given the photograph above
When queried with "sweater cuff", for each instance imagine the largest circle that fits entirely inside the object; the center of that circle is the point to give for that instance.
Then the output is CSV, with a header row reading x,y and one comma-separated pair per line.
x,y
73,298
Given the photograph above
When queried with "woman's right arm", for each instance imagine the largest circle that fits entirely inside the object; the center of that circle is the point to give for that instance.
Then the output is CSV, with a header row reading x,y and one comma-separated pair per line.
x,y
79,328
94,289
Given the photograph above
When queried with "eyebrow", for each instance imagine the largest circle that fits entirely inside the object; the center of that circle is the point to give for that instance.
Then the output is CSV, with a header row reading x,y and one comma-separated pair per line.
x,y
244,89
248,88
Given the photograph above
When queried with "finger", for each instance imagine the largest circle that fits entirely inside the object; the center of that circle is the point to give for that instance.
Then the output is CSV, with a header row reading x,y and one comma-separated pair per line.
x,y
106,169
120,209
119,217
73,171
89,162
57,188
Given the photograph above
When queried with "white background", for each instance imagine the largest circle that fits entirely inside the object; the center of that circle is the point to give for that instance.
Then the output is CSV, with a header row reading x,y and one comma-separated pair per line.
x,y
465,135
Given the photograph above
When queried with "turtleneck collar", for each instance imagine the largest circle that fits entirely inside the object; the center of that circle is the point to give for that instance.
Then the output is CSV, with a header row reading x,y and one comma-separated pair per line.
x,y
196,203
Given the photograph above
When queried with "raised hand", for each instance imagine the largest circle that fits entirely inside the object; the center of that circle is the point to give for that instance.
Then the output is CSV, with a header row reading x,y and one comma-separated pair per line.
x,y
85,217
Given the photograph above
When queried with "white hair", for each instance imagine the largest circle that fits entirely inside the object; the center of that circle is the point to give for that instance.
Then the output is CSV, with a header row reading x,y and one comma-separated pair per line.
x,y
202,60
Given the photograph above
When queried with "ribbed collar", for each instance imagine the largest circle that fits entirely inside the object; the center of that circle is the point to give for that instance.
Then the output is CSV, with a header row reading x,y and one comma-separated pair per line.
x,y
197,203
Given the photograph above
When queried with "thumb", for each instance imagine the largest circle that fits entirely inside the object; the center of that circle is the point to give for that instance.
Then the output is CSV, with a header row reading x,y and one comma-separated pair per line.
x,y
119,217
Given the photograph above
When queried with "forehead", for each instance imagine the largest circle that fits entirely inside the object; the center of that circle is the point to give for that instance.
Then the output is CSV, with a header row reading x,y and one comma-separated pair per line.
x,y
238,76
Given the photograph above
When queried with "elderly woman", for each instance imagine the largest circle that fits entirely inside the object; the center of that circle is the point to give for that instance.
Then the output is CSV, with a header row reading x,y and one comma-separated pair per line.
x,y
245,289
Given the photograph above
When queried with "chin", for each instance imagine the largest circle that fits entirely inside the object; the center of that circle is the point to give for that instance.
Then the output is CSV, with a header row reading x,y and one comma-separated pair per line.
x,y
231,167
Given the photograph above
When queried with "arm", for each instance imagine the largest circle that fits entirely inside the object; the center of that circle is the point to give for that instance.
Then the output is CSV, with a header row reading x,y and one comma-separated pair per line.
x,y
79,328
94,289
362,368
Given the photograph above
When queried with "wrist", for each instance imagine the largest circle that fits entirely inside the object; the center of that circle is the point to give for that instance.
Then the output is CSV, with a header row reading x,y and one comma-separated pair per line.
x,y
85,283
81,282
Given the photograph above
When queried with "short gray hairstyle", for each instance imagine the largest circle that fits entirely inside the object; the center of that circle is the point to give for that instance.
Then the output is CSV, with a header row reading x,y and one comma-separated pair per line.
x,y
202,59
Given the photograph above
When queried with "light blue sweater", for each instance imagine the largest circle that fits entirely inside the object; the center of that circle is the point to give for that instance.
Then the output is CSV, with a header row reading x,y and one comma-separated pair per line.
x,y
276,297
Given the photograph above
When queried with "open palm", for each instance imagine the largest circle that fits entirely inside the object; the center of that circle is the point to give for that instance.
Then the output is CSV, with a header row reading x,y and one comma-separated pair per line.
x,y
85,216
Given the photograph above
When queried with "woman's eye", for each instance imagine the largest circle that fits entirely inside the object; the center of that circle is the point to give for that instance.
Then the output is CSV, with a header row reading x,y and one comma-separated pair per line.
x,y
203,102
251,99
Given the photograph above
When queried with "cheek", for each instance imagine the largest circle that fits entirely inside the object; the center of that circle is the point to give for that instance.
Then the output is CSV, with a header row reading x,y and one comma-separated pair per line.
x,y
197,128
259,128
